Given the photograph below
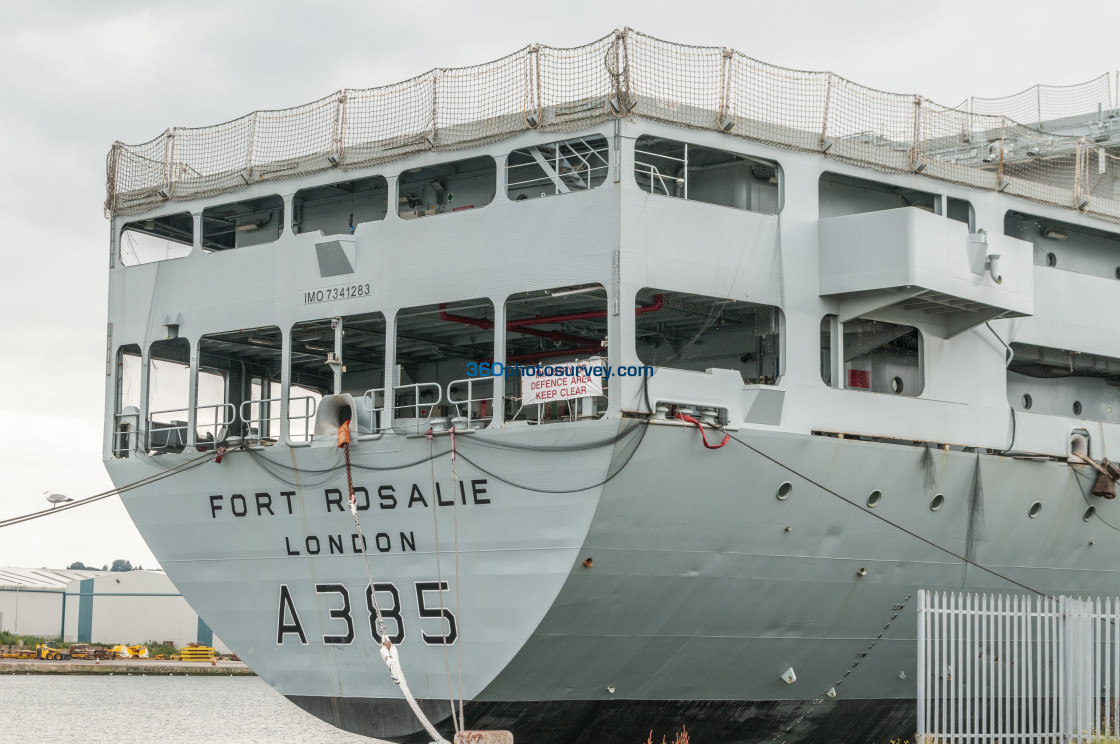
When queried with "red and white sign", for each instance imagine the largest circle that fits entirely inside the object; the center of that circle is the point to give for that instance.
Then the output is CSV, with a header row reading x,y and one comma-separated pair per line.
x,y
561,382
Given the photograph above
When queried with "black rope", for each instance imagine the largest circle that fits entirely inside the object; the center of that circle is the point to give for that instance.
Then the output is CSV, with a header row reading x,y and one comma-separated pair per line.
x,y
278,470
897,526
181,468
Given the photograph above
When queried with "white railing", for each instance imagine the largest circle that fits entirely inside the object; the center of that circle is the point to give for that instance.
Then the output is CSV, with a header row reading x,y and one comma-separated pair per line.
x,y
126,426
591,162
476,407
212,423
304,432
167,436
264,426
411,413
652,172
1017,668
371,414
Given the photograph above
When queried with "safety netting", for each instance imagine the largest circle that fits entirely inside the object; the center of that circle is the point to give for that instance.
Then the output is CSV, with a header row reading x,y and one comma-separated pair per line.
x,y
1048,144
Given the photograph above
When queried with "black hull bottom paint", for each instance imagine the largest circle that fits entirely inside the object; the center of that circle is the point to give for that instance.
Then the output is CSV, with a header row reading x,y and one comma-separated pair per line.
x,y
630,721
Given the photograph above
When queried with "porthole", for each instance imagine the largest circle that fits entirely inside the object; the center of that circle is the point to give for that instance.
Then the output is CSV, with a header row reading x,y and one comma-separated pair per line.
x,y
1051,260
1027,402
1077,408
784,491
874,498
896,385
1036,508
937,502
1089,513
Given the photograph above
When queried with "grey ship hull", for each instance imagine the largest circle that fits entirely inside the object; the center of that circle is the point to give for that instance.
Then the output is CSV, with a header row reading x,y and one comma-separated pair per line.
x,y
705,587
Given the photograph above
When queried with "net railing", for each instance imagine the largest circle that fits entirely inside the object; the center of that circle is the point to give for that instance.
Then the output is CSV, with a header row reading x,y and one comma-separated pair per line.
x,y
1049,144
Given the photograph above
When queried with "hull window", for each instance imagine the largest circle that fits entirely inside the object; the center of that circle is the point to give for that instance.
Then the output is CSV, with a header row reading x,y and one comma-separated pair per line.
x,y
157,239
872,356
671,168
560,327
577,164
447,187
437,381
1059,382
243,223
169,375
697,332
338,208
126,419
239,387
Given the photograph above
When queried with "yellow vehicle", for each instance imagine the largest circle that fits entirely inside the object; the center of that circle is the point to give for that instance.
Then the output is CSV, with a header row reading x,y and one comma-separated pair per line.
x,y
43,651
131,652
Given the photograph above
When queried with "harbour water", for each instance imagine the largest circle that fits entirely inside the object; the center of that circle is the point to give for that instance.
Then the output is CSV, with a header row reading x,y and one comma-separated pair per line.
x,y
79,709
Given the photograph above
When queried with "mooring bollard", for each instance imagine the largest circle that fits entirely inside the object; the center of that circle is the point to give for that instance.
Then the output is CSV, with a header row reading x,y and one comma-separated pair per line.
x,y
484,737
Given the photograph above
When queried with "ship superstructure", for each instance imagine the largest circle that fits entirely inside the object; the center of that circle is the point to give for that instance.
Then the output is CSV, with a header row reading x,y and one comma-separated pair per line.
x,y
902,314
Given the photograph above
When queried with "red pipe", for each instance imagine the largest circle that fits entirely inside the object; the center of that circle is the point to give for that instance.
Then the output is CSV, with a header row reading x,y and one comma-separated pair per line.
x,y
488,324
658,301
476,322
520,326
553,353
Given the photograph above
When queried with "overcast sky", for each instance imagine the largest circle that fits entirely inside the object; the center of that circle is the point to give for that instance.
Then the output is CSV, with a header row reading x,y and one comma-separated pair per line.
x,y
75,76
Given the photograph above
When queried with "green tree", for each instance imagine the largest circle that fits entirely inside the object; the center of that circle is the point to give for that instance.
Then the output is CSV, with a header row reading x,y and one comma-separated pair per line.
x,y
79,566
121,564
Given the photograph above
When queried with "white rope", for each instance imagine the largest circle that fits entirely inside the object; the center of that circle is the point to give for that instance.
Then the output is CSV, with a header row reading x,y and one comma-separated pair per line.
x,y
439,577
389,653
458,584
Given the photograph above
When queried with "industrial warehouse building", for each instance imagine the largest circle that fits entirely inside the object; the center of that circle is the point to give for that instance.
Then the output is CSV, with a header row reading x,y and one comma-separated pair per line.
x,y
106,607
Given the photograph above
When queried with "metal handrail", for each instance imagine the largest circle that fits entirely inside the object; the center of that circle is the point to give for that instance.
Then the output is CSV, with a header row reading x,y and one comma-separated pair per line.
x,y
125,432
464,407
376,413
216,426
263,419
421,410
652,171
157,429
310,406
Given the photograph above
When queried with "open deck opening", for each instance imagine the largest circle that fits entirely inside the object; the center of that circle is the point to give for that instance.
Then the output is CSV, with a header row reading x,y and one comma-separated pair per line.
x,y
338,208
564,167
679,169
239,386
562,326
156,239
169,377
435,346
1061,382
446,187
242,223
698,332
871,355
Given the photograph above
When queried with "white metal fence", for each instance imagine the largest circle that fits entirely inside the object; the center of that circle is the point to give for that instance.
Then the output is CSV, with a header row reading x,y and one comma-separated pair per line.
x,y
1017,668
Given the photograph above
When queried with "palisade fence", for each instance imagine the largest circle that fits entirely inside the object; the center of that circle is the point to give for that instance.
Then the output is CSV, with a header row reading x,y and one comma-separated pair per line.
x,y
978,143
1017,669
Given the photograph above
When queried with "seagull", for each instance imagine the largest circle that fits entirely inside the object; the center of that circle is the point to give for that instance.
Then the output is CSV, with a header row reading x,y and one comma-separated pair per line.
x,y
56,498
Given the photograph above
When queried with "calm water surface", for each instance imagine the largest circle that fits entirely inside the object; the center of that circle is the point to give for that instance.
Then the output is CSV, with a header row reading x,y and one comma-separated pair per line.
x,y
82,709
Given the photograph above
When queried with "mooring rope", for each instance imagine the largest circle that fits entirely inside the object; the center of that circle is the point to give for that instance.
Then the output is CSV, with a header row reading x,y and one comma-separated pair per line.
x,y
180,468
389,653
